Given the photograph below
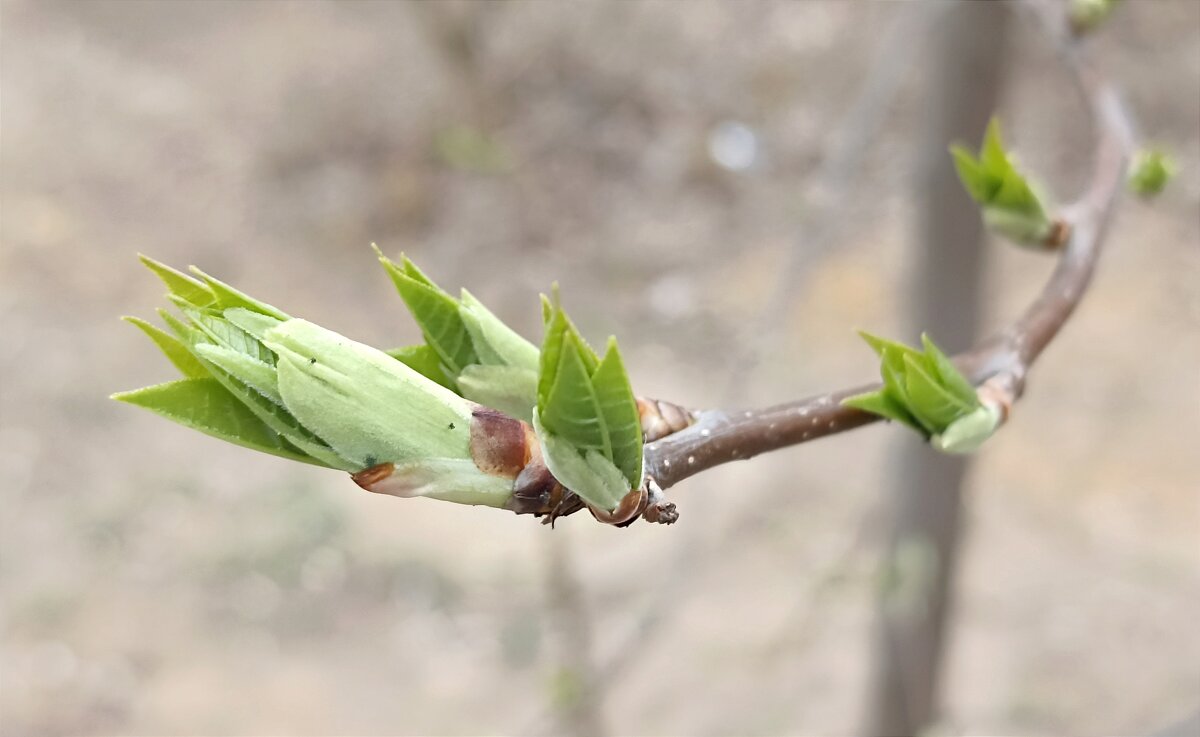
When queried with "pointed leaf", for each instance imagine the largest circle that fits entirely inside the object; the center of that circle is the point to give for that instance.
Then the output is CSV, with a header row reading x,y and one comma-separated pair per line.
x,y
885,405
929,402
204,405
254,323
947,374
227,297
425,361
436,313
504,345
618,406
251,372
572,410
176,352
586,472
190,290
508,389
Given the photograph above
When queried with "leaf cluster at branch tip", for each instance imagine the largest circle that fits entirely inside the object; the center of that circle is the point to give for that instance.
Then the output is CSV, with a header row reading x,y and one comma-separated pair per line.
x,y
1010,203
587,417
925,391
256,377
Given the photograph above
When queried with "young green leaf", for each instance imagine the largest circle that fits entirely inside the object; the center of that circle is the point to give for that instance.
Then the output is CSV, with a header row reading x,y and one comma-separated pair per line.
x,y
467,338
618,406
425,361
589,474
435,312
205,405
181,285
884,404
947,374
1010,202
508,389
587,411
227,297
923,390
365,404
175,351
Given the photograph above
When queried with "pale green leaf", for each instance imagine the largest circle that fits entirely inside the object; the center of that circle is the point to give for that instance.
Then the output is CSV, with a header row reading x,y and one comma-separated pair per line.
x,y
205,405
425,361
175,351
365,404
181,285
968,432
508,389
250,371
228,297
435,312
947,374
254,323
929,402
882,403
572,410
488,333
586,472
618,406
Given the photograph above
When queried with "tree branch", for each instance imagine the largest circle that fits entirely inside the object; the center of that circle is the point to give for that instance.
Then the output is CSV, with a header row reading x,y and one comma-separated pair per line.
x,y
1002,361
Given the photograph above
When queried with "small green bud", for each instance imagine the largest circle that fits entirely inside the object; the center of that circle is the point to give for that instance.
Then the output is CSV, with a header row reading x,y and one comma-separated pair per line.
x,y
968,432
1152,169
1086,15
925,391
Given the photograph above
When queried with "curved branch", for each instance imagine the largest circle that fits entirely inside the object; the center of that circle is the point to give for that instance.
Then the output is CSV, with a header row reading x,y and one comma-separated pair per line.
x,y
1003,360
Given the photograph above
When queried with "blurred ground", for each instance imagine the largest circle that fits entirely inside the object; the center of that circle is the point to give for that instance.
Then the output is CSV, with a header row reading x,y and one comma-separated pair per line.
x,y
154,581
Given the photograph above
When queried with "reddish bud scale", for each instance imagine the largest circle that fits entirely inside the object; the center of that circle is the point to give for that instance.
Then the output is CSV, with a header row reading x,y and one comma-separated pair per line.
x,y
660,419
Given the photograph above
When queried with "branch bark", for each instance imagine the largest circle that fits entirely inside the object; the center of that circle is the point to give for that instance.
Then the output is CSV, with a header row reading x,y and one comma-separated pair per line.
x,y
1004,360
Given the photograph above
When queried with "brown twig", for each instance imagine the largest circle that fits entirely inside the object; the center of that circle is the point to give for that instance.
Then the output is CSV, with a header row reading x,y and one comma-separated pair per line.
x,y
1003,361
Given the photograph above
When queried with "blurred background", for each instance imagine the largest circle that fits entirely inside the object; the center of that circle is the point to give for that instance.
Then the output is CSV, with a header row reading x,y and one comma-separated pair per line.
x,y
731,188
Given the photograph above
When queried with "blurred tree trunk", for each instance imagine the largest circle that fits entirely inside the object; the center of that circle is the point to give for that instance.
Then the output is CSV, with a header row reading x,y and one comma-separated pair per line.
x,y
915,590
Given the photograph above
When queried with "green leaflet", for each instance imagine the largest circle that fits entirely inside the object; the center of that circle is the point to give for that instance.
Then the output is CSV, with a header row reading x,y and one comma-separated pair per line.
x,y
925,391
175,351
425,361
586,415
946,372
619,408
505,388
468,341
587,473
205,405
495,343
190,290
368,406
1010,202
437,314
254,373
